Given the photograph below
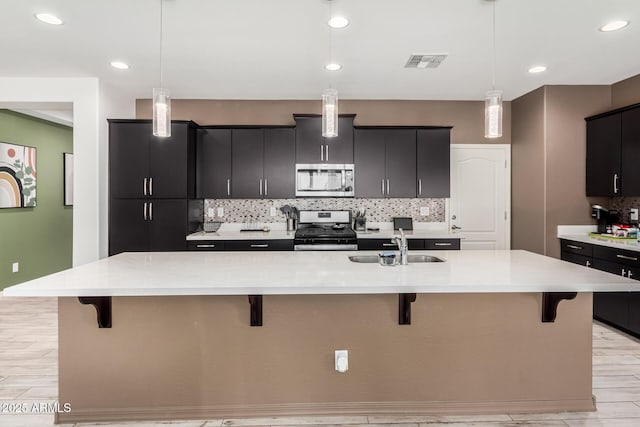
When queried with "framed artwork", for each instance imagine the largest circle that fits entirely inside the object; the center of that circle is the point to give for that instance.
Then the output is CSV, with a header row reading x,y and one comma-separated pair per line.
x,y
68,179
17,176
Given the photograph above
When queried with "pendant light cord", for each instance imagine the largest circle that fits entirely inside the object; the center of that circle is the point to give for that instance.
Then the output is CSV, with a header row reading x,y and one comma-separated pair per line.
x,y
161,22
493,73
330,44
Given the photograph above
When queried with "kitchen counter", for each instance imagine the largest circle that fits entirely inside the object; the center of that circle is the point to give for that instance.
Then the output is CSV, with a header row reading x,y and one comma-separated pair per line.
x,y
182,342
410,234
581,234
318,272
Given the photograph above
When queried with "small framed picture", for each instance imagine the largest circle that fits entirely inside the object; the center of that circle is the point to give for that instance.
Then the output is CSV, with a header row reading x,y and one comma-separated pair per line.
x,y
68,179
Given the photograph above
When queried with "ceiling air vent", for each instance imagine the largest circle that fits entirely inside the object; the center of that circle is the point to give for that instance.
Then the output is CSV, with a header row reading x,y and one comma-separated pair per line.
x,y
428,60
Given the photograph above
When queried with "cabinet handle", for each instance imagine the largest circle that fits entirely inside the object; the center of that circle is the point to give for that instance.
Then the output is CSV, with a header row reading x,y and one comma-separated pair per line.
x,y
151,186
144,211
327,156
261,186
390,244
387,187
228,187
420,187
150,211
588,264
322,153
615,183
575,247
624,273
262,245
266,187
144,186
206,246
382,182
630,258
629,274
442,244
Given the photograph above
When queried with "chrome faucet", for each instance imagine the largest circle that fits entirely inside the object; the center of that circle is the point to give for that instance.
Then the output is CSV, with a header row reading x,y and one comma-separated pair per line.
x,y
401,241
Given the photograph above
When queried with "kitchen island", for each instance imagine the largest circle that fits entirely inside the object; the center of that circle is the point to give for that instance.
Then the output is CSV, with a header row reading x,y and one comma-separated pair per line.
x,y
179,341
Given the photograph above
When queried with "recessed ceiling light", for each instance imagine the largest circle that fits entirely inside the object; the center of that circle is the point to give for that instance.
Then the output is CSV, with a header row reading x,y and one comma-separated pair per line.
x,y
48,18
537,69
119,65
614,26
338,22
333,67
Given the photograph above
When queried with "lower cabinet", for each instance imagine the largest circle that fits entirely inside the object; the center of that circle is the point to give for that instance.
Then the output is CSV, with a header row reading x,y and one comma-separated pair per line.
x,y
241,245
138,225
414,244
618,309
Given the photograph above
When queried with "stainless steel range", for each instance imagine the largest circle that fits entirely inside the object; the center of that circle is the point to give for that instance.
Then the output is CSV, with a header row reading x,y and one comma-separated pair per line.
x,y
325,231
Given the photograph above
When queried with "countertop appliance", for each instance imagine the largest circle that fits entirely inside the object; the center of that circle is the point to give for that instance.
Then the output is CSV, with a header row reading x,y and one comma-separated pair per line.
x,y
325,231
324,180
604,217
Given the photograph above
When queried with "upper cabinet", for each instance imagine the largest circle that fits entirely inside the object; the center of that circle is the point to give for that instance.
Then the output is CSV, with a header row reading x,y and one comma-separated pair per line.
x,y
312,147
433,157
613,147
213,166
144,166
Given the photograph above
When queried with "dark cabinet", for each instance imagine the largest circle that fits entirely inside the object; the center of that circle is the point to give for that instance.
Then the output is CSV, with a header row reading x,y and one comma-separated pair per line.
x,y
206,245
613,147
213,166
611,307
414,244
312,147
433,162
144,166
263,163
259,245
385,162
147,225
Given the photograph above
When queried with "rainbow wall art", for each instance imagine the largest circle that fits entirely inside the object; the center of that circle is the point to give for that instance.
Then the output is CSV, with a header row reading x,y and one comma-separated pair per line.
x,y
17,176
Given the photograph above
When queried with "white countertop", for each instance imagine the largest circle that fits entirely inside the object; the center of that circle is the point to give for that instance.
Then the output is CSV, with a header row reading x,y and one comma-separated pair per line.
x,y
580,233
410,234
318,272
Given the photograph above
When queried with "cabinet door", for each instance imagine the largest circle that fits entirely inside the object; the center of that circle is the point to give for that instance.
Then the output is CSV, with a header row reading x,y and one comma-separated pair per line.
x,y
369,155
128,228
168,225
246,163
576,259
611,307
128,159
630,152
603,156
279,163
400,162
168,164
433,153
340,149
376,244
442,244
206,245
259,245
213,167
309,140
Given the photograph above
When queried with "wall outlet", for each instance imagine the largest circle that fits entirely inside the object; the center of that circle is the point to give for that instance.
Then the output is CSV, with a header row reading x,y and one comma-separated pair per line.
x,y
220,212
633,214
424,210
210,213
15,267
272,211
342,360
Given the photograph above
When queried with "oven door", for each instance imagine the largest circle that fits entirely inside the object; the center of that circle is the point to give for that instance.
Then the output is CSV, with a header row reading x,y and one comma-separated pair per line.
x,y
324,180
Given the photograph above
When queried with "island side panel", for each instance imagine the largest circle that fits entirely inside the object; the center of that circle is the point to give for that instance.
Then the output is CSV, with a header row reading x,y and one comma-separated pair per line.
x,y
197,356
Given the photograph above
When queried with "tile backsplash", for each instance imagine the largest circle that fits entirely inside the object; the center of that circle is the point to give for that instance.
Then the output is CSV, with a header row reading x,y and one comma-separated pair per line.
x,y
378,210
623,205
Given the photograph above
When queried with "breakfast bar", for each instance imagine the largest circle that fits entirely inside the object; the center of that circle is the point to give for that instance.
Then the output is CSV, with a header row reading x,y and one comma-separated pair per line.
x,y
184,335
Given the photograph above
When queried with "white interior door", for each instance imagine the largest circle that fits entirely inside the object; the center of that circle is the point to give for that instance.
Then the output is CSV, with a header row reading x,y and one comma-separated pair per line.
x,y
480,195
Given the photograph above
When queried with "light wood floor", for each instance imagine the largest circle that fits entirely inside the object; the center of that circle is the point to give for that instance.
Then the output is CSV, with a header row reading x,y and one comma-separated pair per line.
x,y
28,374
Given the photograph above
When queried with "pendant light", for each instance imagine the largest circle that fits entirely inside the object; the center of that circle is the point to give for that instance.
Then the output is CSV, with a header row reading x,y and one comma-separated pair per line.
x,y
493,98
330,96
161,100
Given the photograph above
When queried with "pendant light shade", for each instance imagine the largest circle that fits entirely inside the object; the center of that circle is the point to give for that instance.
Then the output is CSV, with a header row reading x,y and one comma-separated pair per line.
x,y
330,113
493,114
161,112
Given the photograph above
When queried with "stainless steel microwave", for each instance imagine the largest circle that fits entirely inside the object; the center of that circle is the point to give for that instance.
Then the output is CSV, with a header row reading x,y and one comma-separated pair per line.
x,y
324,180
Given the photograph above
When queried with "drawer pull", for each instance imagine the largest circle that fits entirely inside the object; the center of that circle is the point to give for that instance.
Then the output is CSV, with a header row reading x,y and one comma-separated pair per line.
x,y
588,264
575,247
630,258
442,244
390,244
629,274
206,246
263,245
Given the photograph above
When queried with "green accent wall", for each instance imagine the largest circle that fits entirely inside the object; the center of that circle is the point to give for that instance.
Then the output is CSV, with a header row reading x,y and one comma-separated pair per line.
x,y
39,238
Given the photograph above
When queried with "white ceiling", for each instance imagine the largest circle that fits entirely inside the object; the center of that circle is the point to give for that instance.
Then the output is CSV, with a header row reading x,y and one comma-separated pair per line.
x,y
276,49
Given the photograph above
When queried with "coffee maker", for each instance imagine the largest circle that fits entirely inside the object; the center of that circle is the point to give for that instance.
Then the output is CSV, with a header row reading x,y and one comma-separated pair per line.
x,y
603,217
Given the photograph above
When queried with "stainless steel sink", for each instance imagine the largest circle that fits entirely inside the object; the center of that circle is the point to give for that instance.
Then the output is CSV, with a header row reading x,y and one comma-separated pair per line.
x,y
373,259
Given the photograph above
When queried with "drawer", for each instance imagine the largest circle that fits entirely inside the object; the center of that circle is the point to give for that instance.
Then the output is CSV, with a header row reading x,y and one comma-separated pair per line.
x,y
579,248
621,256
442,244
259,245
387,244
206,245
587,261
